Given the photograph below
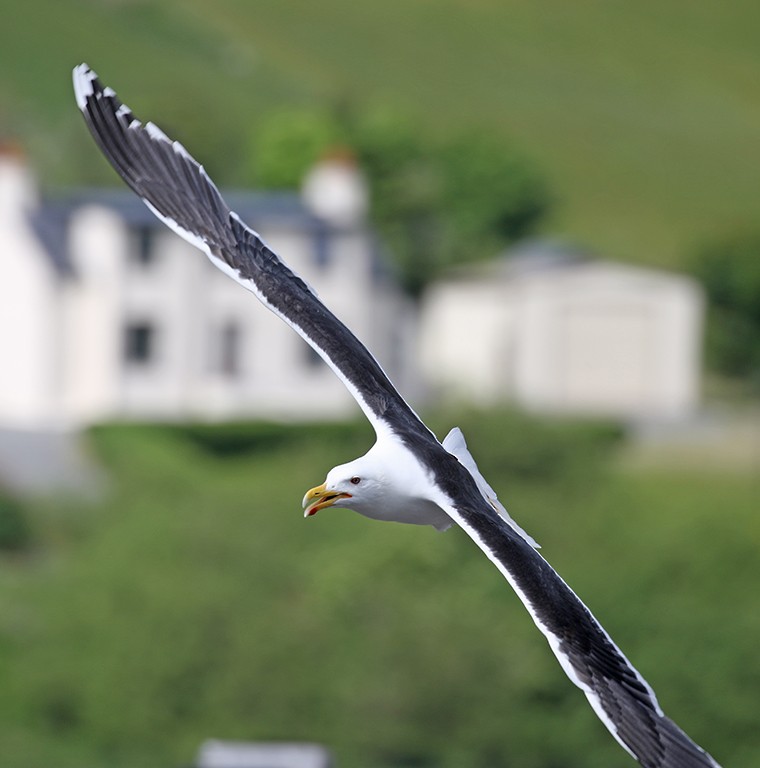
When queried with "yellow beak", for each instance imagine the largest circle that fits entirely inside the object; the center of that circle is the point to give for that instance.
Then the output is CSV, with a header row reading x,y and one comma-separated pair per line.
x,y
320,498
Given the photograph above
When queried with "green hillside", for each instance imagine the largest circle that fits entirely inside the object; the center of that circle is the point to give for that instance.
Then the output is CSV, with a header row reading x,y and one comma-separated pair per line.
x,y
644,116
194,601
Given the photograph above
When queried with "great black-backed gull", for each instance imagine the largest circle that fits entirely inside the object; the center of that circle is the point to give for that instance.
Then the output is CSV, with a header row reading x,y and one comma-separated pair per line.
x,y
408,475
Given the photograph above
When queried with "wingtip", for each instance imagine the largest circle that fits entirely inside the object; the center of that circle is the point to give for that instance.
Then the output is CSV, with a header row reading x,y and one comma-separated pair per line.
x,y
83,78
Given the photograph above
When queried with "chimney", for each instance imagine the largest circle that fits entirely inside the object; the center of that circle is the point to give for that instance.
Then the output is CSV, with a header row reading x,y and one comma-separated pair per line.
x,y
18,191
335,189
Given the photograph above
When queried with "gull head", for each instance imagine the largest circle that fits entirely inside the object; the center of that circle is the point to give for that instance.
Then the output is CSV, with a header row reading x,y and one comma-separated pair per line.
x,y
385,484
357,485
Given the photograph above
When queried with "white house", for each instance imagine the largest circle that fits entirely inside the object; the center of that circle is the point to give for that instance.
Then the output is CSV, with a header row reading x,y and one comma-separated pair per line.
x,y
105,313
554,331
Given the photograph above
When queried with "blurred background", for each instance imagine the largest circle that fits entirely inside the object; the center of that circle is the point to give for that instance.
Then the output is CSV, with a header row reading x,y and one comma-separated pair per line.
x,y
543,218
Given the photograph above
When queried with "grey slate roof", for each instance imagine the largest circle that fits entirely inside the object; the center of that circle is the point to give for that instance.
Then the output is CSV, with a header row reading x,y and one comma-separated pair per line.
x,y
51,220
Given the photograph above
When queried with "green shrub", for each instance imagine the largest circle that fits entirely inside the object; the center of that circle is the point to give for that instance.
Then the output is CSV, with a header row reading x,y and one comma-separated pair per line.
x,y
729,268
195,601
15,532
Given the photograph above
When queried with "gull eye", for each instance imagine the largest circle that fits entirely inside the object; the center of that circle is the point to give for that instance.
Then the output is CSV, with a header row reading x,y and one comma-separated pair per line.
x,y
355,480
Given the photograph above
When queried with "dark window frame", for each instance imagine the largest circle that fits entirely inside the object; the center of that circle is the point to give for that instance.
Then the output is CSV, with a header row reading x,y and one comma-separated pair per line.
x,y
140,343
229,358
142,252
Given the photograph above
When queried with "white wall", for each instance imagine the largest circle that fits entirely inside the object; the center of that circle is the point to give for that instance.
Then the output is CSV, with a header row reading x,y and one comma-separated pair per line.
x,y
593,338
189,301
29,333
90,318
466,340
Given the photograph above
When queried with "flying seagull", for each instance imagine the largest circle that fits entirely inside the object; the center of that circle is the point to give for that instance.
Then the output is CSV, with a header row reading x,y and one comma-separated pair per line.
x,y
407,476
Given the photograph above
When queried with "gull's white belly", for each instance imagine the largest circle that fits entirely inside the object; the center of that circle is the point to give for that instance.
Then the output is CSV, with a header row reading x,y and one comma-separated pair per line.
x,y
405,509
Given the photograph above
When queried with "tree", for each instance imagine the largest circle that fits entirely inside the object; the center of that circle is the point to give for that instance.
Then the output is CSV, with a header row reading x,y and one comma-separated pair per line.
x,y
435,203
729,268
15,533
288,143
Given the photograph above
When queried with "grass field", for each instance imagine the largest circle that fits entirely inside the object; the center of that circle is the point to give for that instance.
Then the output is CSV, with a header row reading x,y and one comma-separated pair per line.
x,y
644,116
194,601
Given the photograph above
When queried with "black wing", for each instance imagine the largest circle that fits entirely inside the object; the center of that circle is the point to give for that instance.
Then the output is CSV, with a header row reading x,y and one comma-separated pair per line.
x,y
619,695
178,190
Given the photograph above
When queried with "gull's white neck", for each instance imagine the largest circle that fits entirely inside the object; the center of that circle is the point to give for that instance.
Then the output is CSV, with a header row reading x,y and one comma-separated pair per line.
x,y
404,488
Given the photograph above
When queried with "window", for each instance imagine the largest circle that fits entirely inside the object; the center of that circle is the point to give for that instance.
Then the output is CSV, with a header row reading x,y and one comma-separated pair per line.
x,y
229,349
142,251
139,343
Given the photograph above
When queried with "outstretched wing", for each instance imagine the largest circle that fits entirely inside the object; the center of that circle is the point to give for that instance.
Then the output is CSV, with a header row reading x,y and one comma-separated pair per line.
x,y
178,190
181,194
619,695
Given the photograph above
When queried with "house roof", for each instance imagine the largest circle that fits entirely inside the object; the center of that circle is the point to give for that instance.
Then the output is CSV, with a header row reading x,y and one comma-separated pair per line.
x,y
540,255
554,260
51,220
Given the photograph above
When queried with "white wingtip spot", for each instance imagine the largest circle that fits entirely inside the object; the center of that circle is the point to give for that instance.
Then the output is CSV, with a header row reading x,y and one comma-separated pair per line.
x,y
156,133
83,77
180,150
